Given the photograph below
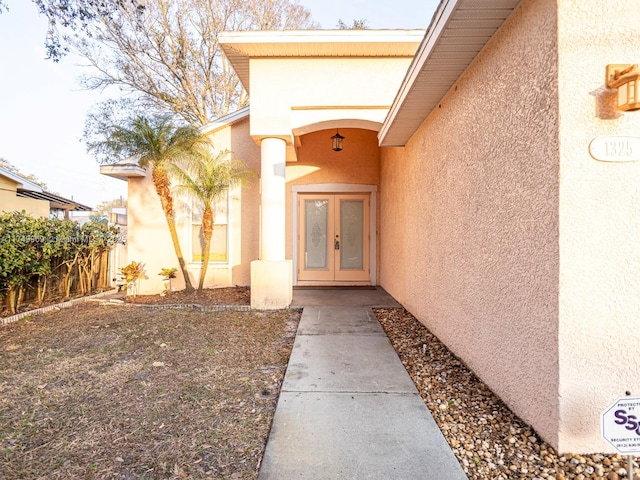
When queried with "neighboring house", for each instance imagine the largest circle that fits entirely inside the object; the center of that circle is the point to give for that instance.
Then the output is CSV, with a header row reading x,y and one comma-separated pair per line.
x,y
465,188
18,194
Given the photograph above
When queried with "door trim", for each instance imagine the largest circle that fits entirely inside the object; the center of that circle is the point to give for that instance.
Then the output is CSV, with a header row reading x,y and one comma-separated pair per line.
x,y
338,188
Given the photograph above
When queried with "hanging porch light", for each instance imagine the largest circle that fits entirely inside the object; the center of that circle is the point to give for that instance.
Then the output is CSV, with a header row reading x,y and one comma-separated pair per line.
x,y
337,141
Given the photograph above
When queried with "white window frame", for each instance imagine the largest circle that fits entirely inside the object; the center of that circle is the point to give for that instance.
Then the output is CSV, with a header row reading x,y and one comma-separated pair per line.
x,y
188,235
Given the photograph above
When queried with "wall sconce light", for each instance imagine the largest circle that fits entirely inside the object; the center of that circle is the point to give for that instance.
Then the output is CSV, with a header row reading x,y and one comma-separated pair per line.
x,y
337,141
625,79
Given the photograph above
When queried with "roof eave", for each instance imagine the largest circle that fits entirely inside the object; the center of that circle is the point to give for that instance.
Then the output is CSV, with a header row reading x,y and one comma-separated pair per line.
x,y
122,171
22,182
240,46
55,201
400,123
225,121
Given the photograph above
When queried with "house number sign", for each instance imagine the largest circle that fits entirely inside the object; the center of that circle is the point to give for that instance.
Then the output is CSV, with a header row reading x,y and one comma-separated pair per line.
x,y
615,149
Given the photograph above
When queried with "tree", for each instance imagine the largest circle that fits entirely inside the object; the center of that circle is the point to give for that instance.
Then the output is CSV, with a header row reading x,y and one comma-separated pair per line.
x,y
206,177
361,24
165,53
103,209
157,142
7,165
74,15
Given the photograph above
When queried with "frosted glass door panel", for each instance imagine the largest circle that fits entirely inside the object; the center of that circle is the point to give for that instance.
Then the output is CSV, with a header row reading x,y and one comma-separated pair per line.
x,y
316,226
352,233
333,238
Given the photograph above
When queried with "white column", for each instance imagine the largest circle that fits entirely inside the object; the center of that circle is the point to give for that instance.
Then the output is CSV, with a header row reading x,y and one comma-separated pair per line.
x,y
272,231
272,275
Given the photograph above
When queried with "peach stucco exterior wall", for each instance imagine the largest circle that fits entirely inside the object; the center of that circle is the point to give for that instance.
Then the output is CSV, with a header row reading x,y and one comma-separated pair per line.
x,y
244,146
278,85
599,222
358,163
9,202
473,200
149,240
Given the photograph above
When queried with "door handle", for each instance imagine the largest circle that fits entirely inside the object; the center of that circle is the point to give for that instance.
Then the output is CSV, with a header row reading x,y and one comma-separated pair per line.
x,y
336,243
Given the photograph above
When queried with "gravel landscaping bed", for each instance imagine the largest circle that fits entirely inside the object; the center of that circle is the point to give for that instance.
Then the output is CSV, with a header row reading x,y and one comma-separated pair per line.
x,y
489,441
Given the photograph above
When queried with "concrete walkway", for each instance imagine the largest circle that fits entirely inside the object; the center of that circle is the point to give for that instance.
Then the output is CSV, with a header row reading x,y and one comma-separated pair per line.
x,y
348,409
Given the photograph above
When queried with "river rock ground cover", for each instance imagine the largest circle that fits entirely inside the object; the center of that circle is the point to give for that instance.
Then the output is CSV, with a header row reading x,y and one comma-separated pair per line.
x,y
489,441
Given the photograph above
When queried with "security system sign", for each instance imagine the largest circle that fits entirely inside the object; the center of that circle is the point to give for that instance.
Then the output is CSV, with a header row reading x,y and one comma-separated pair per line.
x,y
621,425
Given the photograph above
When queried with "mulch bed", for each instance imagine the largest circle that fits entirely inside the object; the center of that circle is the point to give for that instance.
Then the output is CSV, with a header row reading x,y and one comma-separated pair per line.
x,y
105,391
206,297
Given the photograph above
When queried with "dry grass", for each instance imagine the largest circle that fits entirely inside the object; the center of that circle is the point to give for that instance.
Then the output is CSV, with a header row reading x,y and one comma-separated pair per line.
x,y
128,393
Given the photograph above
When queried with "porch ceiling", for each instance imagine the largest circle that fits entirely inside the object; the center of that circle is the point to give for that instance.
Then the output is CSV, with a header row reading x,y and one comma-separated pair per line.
x,y
458,31
239,47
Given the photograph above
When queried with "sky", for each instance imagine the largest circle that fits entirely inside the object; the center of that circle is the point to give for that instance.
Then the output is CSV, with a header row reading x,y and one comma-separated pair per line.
x,y
43,107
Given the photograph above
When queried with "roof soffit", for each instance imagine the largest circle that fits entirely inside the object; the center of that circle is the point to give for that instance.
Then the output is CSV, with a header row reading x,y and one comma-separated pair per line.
x,y
240,47
225,121
123,169
459,30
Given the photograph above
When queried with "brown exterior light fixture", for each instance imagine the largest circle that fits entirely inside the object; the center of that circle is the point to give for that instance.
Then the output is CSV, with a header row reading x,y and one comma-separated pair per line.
x,y
337,141
625,79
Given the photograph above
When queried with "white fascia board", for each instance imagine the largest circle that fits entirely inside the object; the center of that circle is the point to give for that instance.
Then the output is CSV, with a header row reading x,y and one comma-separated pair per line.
x,y
438,25
225,121
22,182
317,36
122,171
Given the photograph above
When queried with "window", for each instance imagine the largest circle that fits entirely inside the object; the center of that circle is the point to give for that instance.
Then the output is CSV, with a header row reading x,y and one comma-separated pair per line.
x,y
219,242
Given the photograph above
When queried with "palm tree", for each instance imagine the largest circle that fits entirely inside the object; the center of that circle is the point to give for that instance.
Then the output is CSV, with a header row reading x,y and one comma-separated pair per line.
x,y
157,142
207,177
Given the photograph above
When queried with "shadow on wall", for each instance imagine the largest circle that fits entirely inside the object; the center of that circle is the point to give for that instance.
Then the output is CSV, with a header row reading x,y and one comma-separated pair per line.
x,y
245,231
149,239
606,103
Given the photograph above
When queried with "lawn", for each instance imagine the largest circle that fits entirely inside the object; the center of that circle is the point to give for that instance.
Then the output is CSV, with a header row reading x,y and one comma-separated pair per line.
x,y
103,391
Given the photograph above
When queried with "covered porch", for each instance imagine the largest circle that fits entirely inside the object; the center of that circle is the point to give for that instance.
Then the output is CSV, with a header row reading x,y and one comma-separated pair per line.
x,y
318,206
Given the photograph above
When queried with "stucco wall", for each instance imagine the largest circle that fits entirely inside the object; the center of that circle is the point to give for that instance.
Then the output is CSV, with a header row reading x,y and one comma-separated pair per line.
x,y
357,163
9,202
246,213
277,85
599,222
149,240
469,217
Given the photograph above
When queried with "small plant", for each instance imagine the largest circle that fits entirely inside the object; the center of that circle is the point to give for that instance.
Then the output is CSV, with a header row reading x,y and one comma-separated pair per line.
x,y
167,274
132,274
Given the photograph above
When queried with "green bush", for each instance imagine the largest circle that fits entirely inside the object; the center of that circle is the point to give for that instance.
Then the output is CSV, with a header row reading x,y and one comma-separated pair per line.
x,y
44,258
